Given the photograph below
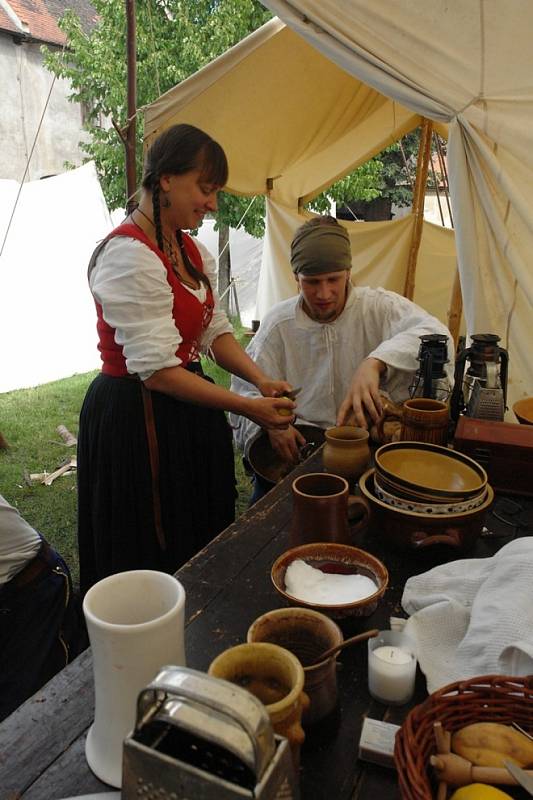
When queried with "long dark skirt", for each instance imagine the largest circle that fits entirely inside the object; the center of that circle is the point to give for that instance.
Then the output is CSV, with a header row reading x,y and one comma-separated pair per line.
x,y
116,529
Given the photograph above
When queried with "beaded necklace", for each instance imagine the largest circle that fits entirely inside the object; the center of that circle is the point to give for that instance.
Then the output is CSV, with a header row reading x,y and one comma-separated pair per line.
x,y
169,250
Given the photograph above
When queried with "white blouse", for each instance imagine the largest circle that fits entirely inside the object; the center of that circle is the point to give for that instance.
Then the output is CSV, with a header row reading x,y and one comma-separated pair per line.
x,y
130,282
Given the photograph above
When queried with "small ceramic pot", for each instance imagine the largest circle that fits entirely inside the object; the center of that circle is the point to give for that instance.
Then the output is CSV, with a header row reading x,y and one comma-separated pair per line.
x,y
307,634
346,451
276,677
423,420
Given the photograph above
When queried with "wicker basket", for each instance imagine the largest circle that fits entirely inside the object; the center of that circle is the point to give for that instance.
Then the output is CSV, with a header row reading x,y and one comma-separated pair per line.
x,y
490,698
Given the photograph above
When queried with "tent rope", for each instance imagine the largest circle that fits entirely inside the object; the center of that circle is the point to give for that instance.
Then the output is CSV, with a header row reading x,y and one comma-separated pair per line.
x,y
27,167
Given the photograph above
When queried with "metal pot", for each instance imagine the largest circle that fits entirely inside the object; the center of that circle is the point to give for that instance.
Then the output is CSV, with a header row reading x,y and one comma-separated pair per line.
x,y
268,465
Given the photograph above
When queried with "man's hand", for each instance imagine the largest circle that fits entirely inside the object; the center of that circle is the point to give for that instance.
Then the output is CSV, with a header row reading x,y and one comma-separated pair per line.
x,y
363,394
286,444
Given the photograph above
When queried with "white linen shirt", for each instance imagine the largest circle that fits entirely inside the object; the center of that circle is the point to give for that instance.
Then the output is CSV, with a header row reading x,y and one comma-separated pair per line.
x,y
19,542
321,357
130,282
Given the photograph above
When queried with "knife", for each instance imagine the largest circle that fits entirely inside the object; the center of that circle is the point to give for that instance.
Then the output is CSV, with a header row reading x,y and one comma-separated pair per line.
x,y
293,393
520,775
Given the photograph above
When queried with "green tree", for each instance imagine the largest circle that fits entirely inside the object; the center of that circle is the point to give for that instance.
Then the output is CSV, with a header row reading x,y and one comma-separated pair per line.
x,y
175,38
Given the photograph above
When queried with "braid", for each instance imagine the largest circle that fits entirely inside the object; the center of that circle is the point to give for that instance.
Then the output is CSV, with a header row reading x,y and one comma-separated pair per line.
x,y
156,208
189,266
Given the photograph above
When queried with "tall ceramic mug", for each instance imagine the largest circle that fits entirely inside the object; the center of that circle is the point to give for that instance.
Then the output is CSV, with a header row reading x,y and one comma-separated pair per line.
x,y
423,420
319,509
135,622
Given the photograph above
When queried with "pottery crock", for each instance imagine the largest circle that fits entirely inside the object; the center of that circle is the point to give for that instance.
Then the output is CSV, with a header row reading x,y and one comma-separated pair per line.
x,y
346,451
409,530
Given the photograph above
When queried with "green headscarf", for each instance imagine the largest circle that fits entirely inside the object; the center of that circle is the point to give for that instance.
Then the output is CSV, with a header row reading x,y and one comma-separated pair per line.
x,y
316,249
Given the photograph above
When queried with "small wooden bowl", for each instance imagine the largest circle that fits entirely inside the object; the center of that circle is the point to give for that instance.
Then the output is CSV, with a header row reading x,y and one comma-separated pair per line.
x,y
334,558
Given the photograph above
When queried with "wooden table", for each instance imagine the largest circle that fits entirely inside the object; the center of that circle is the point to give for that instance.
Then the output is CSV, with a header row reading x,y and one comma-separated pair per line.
x,y
228,586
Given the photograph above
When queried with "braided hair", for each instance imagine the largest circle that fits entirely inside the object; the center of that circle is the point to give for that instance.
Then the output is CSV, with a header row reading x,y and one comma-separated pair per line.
x,y
180,149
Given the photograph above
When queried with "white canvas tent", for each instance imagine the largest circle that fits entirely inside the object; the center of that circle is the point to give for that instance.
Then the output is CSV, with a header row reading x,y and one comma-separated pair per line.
x,y
297,107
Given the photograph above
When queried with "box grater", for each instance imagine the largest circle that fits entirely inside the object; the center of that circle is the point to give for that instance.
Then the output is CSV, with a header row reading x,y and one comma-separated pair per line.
x,y
201,738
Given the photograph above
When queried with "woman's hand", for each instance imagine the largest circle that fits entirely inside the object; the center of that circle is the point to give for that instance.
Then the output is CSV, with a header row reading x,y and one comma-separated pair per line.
x,y
275,413
286,444
270,388
363,394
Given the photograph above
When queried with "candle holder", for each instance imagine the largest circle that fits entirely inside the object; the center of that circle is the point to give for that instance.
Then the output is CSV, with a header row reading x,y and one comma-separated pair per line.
x,y
391,667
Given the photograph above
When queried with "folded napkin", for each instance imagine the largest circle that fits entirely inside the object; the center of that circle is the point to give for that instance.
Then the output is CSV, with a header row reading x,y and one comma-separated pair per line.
x,y
474,616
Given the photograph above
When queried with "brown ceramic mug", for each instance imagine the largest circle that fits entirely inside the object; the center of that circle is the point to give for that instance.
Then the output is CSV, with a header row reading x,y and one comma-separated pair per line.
x,y
307,634
321,508
423,420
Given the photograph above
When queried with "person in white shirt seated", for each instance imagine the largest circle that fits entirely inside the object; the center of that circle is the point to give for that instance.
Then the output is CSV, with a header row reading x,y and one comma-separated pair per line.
x,y
41,626
342,344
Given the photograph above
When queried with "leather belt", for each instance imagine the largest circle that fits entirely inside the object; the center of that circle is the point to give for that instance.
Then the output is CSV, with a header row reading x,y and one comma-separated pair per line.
x,y
45,559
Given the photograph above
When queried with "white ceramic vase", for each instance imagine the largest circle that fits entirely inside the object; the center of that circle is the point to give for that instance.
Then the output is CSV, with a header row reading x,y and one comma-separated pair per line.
x,y
135,622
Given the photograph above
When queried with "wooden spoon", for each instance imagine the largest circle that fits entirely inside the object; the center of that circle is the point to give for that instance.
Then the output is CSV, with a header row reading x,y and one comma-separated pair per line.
x,y
361,637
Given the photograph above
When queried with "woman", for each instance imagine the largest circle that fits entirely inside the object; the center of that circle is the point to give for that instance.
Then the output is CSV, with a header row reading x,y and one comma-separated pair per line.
x,y
155,456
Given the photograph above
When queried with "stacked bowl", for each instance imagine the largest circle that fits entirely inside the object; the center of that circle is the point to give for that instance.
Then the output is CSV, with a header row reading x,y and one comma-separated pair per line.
x,y
423,494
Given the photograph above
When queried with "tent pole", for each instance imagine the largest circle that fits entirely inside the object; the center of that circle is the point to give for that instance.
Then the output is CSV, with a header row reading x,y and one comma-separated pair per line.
x,y
129,141
419,194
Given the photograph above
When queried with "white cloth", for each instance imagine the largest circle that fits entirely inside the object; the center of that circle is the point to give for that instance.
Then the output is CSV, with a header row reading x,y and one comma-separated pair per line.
x,y
19,542
130,282
321,358
474,616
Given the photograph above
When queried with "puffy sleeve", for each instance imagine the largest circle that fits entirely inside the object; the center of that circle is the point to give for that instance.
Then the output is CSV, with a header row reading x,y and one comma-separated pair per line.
x,y
402,323
219,323
130,283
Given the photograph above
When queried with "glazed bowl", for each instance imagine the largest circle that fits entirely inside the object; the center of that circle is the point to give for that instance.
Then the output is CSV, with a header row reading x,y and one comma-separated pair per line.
x,y
334,559
426,471
409,530
523,410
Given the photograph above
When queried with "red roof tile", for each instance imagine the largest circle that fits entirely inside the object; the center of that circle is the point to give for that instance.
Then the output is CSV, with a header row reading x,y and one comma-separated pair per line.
x,y
40,17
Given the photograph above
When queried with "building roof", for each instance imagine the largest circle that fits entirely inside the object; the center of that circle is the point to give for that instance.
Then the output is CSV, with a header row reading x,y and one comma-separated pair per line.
x,y
37,20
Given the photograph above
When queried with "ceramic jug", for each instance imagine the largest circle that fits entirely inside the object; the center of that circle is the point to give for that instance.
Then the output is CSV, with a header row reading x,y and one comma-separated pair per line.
x,y
274,676
135,622
346,452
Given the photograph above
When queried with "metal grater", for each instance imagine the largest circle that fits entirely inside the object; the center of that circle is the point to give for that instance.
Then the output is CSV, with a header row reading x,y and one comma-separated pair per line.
x,y
201,738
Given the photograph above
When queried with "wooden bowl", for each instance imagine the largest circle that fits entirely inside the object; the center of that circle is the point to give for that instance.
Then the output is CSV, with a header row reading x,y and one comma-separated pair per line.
x,y
523,410
268,465
430,470
334,558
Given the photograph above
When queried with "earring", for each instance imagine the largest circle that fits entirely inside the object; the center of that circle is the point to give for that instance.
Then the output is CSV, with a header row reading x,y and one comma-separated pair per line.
x,y
165,201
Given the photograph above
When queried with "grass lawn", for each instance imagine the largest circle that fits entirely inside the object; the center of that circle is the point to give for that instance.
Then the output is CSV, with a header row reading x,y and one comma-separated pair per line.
x,y
28,421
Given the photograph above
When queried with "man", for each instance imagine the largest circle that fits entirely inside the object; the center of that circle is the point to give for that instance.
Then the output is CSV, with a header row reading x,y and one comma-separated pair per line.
x,y
40,623
340,343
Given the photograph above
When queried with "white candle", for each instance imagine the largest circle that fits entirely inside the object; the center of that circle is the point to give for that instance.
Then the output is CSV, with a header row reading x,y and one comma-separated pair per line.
x,y
391,668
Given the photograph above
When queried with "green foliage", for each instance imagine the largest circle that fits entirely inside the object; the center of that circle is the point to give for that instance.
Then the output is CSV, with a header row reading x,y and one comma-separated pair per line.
x,y
362,184
175,38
